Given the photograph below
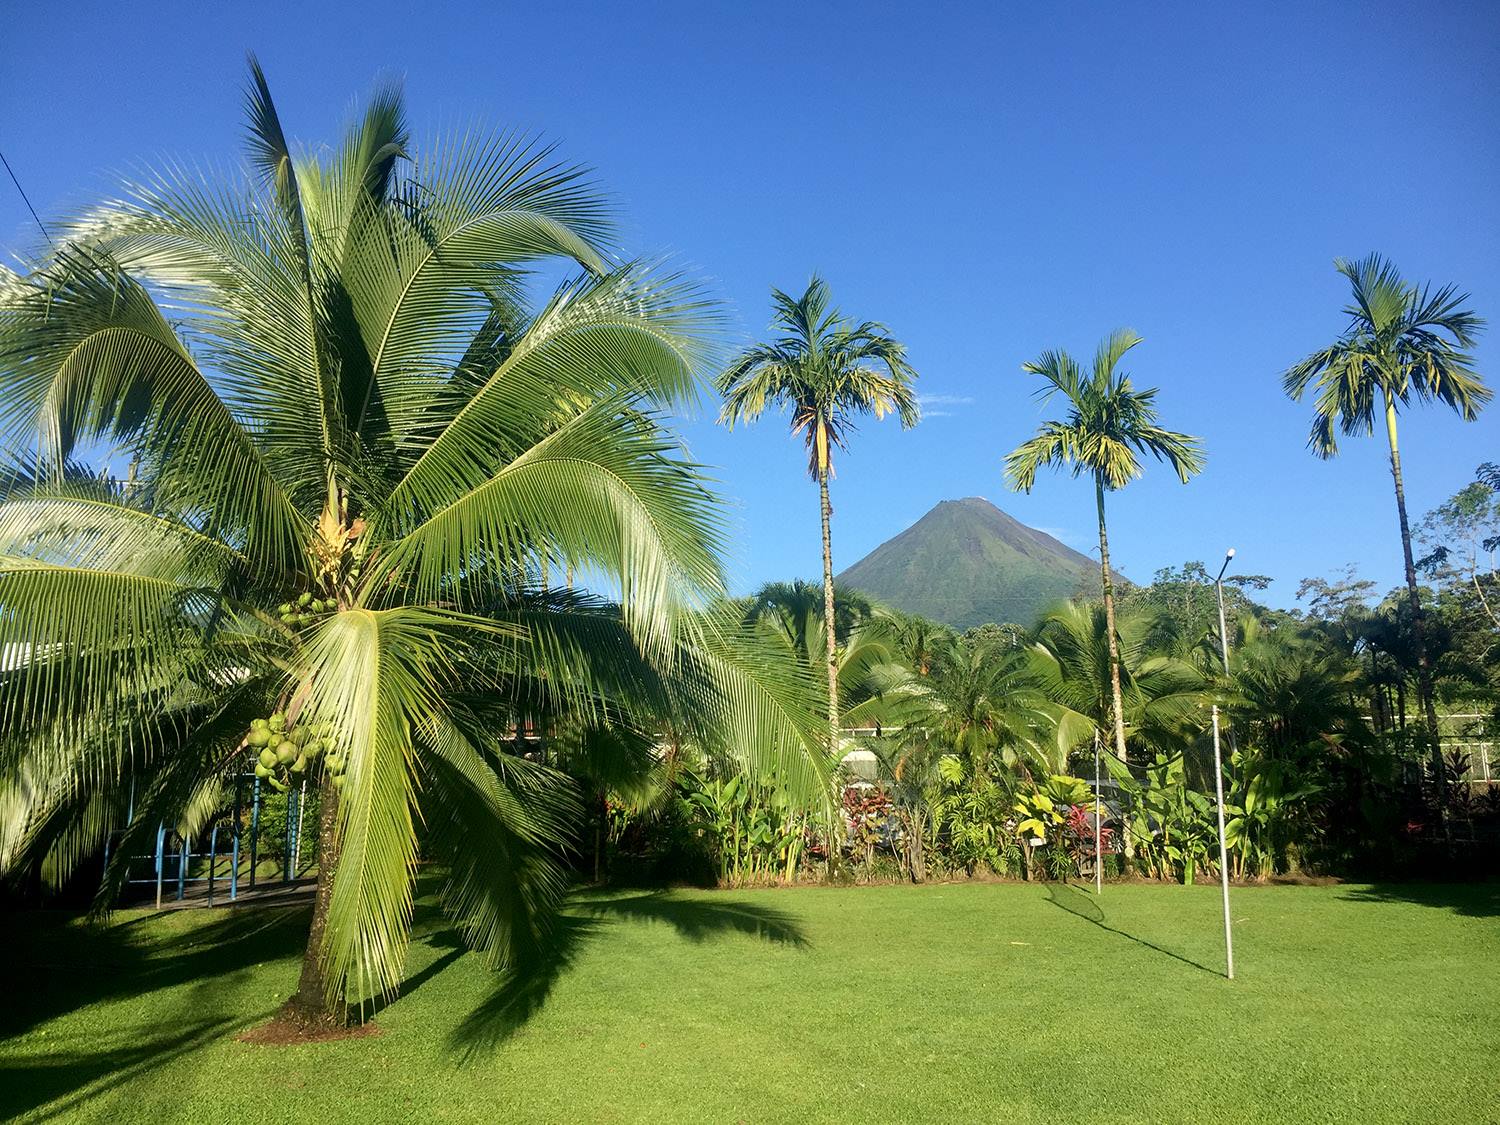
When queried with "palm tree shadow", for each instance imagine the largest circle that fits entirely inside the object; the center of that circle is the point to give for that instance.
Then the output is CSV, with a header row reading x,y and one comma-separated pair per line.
x,y
129,959
524,990
698,919
1087,907
64,1081
1468,900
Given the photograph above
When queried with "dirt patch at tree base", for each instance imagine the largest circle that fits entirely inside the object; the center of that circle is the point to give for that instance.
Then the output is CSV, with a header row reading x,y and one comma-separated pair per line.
x,y
290,1026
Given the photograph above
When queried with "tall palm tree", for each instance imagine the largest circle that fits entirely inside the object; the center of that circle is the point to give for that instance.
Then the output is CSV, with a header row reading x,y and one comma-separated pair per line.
x,y
1404,344
350,411
1109,423
828,370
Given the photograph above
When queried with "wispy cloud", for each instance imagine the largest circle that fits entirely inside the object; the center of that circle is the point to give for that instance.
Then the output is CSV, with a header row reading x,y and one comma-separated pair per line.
x,y
937,414
945,400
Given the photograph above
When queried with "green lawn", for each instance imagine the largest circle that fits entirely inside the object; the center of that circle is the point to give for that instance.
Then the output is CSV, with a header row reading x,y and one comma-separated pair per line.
x,y
969,1002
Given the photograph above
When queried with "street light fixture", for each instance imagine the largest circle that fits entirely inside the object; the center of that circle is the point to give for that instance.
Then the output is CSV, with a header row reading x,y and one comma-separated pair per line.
x,y
1219,588
1219,773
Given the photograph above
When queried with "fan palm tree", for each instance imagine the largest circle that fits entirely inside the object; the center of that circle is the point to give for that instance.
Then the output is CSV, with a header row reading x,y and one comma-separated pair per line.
x,y
335,398
1109,424
828,370
1404,344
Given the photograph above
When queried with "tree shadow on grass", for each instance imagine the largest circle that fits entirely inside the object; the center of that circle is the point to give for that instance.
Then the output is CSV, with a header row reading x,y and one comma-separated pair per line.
x,y
51,965
63,1081
699,918
449,940
522,992
1469,900
100,974
1087,907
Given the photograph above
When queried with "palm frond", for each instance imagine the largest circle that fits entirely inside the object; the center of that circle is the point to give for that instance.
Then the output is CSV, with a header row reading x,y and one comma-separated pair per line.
x,y
605,491
1402,343
87,354
499,824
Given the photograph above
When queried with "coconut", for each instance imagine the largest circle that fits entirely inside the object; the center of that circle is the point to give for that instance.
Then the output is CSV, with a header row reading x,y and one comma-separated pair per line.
x,y
284,608
312,748
304,599
297,735
289,619
259,724
338,781
267,758
261,771
277,722
287,752
258,736
336,762
300,765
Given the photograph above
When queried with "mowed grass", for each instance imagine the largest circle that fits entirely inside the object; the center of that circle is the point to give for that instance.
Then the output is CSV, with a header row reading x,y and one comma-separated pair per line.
x,y
972,1002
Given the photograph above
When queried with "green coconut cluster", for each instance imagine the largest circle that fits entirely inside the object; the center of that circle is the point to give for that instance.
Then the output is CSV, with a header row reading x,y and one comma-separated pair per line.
x,y
290,754
304,610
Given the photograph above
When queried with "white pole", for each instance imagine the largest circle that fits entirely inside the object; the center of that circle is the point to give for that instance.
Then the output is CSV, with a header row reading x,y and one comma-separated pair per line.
x,y
1223,850
297,846
1098,826
1219,773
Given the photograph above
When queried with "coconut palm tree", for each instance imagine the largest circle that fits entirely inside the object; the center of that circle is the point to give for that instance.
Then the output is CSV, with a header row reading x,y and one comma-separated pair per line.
x,y
1403,345
828,371
1109,424
354,452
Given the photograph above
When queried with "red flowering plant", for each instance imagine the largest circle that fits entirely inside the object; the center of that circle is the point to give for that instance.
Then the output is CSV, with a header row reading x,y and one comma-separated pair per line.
x,y
1079,833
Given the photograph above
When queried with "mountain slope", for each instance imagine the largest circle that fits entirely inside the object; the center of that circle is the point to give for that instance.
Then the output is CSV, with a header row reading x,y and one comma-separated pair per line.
x,y
966,563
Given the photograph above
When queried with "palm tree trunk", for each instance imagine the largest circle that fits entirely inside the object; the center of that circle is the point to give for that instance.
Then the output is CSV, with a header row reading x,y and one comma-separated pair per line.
x,y
310,1002
1424,668
599,838
1116,702
828,629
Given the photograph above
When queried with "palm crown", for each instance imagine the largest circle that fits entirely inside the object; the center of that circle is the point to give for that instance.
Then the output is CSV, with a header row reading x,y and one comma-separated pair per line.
x,y
1109,423
329,385
1403,343
827,369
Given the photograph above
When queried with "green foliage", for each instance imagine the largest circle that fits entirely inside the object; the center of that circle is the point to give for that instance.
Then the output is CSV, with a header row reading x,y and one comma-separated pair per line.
x,y
1405,343
1260,808
758,834
1042,809
333,394
1109,423
1170,824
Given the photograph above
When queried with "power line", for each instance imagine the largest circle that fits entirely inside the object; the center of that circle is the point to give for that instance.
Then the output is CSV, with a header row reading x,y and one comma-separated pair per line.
x,y
24,199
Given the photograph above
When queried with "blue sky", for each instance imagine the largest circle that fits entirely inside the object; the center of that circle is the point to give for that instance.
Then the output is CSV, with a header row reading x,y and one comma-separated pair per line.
x,y
990,180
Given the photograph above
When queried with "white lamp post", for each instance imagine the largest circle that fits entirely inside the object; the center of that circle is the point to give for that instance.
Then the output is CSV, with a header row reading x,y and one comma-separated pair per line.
x,y
1219,774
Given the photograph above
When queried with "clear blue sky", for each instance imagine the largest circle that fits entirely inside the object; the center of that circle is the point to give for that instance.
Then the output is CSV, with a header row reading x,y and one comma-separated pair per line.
x,y
990,180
